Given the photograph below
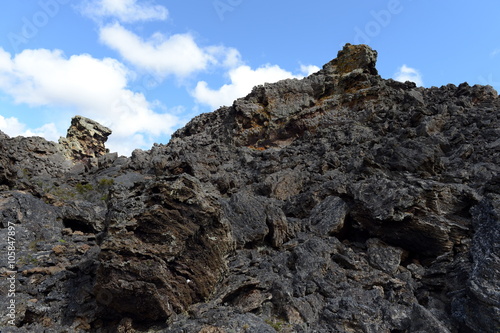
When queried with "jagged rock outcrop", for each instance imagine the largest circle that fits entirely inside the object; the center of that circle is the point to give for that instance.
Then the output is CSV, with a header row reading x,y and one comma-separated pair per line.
x,y
25,162
85,139
341,202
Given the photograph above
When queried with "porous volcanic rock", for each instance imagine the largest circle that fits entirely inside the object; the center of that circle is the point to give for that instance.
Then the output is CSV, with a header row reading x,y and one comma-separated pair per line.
x,y
85,139
341,202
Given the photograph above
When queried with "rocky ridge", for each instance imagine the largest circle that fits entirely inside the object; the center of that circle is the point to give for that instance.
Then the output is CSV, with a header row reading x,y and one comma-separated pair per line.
x,y
341,202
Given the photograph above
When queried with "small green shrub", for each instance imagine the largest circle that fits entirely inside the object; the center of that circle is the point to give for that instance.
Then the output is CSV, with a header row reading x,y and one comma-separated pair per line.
x,y
62,193
26,260
84,188
106,182
276,324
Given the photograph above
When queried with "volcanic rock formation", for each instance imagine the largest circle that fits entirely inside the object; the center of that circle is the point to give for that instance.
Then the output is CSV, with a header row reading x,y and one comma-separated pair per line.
x,y
85,139
341,202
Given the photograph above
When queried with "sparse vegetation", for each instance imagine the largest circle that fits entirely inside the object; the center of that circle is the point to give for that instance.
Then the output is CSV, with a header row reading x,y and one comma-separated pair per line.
x,y
106,183
86,191
28,259
64,193
84,188
32,245
276,324
103,185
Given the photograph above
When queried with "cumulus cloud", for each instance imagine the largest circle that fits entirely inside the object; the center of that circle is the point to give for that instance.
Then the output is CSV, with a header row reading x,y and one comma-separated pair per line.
x,y
13,127
48,131
44,77
243,78
92,87
309,69
128,11
406,73
177,54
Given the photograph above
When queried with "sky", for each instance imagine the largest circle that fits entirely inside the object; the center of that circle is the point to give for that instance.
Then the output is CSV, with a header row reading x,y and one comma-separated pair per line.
x,y
144,68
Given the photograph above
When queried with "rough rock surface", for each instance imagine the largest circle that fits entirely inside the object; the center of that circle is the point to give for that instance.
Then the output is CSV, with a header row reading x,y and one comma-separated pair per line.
x,y
341,202
85,139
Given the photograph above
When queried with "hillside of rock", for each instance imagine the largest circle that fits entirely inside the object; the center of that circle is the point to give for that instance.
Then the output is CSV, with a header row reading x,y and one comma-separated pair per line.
x,y
342,202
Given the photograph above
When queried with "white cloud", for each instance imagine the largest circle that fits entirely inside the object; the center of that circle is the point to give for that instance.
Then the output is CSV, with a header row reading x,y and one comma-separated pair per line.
x,y
406,73
48,131
177,54
124,10
243,79
44,77
94,88
13,127
309,69
225,56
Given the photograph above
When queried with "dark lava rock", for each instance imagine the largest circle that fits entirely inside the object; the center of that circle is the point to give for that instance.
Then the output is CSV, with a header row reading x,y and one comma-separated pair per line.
x,y
341,202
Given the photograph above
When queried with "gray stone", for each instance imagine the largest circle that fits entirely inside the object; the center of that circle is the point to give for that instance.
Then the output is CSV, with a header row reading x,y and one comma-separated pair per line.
x,y
382,256
328,216
341,202
483,287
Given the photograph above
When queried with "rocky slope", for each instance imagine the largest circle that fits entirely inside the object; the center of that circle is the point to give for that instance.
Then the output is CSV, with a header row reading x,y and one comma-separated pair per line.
x,y
337,203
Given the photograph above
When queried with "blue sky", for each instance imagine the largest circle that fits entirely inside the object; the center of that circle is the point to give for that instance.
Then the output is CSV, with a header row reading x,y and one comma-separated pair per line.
x,y
146,67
